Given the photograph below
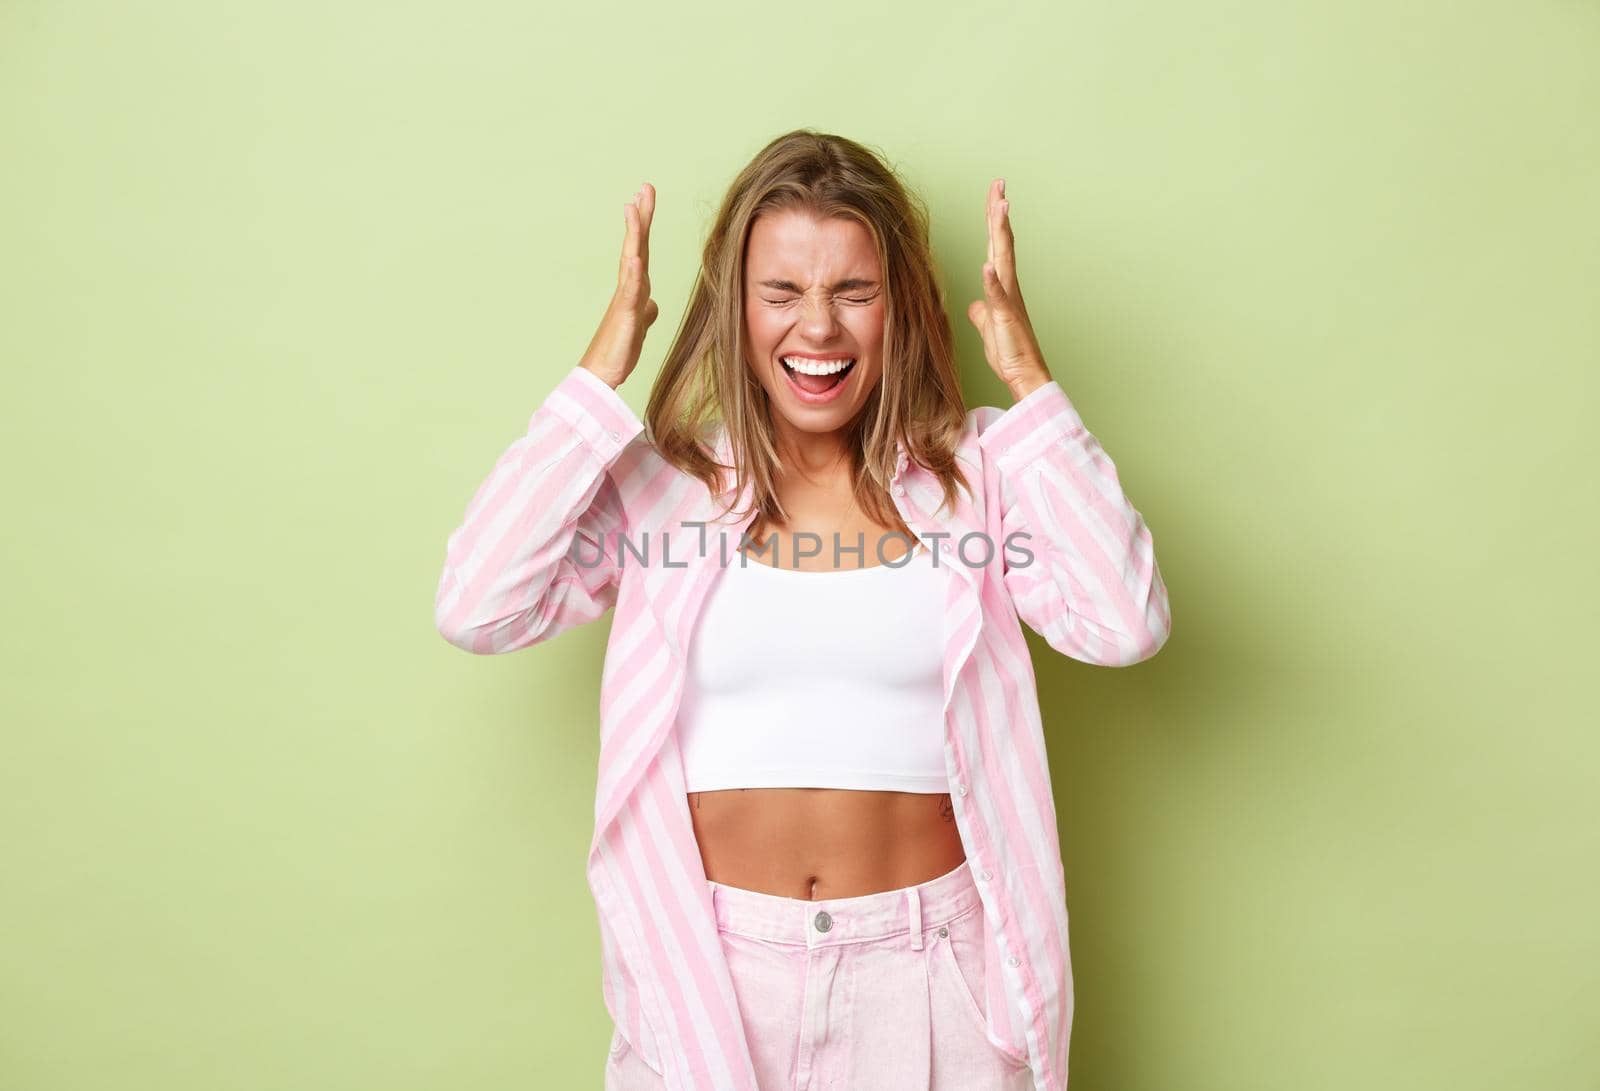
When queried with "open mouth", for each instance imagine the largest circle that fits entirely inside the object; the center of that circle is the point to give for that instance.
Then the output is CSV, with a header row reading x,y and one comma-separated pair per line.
x,y
817,381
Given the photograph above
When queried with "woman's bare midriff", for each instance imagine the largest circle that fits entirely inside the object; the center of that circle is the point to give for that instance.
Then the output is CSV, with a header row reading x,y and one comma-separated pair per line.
x,y
814,843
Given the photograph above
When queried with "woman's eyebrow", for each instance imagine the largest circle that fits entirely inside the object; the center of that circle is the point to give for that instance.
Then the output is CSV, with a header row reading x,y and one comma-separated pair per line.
x,y
842,285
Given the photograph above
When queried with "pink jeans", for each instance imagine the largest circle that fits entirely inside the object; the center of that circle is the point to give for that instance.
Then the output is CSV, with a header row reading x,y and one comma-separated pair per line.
x,y
849,994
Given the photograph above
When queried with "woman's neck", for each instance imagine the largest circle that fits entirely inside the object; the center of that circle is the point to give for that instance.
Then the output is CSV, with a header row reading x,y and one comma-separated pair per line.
x,y
815,458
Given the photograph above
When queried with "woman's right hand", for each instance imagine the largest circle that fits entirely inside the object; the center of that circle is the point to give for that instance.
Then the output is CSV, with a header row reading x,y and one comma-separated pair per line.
x,y
614,351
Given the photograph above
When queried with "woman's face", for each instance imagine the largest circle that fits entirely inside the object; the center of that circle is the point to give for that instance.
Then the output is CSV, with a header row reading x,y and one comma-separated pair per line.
x,y
813,289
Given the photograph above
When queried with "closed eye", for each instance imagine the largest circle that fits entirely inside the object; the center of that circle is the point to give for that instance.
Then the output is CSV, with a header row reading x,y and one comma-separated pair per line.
x,y
847,299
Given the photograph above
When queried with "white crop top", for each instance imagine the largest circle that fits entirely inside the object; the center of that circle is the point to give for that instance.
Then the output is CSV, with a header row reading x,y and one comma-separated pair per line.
x,y
818,679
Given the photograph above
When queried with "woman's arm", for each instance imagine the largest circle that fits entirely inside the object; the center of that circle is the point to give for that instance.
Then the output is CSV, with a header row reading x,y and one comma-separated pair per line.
x,y
1092,588
536,552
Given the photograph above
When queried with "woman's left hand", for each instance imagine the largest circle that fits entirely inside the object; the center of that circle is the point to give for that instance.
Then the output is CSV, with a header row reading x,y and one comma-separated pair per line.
x,y
1009,343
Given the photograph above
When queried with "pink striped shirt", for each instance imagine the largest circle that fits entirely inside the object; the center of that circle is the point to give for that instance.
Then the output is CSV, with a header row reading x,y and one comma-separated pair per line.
x,y
582,515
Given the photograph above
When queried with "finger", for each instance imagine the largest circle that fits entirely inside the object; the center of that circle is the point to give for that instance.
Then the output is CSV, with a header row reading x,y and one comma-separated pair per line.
x,y
978,314
636,287
630,239
992,288
646,202
988,213
1004,258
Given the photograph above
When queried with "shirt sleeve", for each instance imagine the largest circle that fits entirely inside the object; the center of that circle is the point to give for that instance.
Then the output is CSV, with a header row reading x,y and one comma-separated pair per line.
x,y
536,552
1091,586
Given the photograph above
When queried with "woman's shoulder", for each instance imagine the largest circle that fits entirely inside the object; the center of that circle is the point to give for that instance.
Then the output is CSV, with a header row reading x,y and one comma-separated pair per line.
x,y
646,480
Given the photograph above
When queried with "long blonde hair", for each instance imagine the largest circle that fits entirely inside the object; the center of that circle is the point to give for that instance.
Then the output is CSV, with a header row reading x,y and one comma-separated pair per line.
x,y
705,379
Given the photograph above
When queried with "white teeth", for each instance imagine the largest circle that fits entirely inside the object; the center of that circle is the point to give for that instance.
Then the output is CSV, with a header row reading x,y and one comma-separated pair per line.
x,y
818,367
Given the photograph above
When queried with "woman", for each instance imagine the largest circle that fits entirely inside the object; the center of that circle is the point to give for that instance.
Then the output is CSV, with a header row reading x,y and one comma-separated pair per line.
x,y
825,850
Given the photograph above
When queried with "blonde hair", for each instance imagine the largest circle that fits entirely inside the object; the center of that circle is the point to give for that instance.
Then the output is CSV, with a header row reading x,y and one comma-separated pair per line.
x,y
706,380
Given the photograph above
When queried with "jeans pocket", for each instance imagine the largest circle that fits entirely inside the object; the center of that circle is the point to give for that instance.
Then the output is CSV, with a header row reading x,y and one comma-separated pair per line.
x,y
958,952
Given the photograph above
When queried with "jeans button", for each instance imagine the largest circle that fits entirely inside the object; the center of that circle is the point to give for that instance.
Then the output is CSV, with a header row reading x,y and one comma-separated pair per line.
x,y
824,922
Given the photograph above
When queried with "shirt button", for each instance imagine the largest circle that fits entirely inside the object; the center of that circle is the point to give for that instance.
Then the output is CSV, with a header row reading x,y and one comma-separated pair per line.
x,y
961,789
1013,960
983,876
614,434
823,922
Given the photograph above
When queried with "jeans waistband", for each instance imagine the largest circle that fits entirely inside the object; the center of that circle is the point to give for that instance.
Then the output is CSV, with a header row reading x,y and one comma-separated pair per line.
x,y
907,911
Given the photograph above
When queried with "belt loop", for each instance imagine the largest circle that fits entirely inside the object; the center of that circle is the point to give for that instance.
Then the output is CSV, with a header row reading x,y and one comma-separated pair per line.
x,y
914,905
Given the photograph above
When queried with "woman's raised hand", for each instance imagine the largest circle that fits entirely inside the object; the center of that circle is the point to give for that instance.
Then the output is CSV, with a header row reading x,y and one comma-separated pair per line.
x,y
614,351
1009,343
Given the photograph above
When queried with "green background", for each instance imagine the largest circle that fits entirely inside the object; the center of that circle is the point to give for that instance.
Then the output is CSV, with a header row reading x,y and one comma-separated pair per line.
x,y
281,281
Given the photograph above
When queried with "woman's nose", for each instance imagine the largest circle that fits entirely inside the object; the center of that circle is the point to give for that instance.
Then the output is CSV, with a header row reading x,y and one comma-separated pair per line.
x,y
816,317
